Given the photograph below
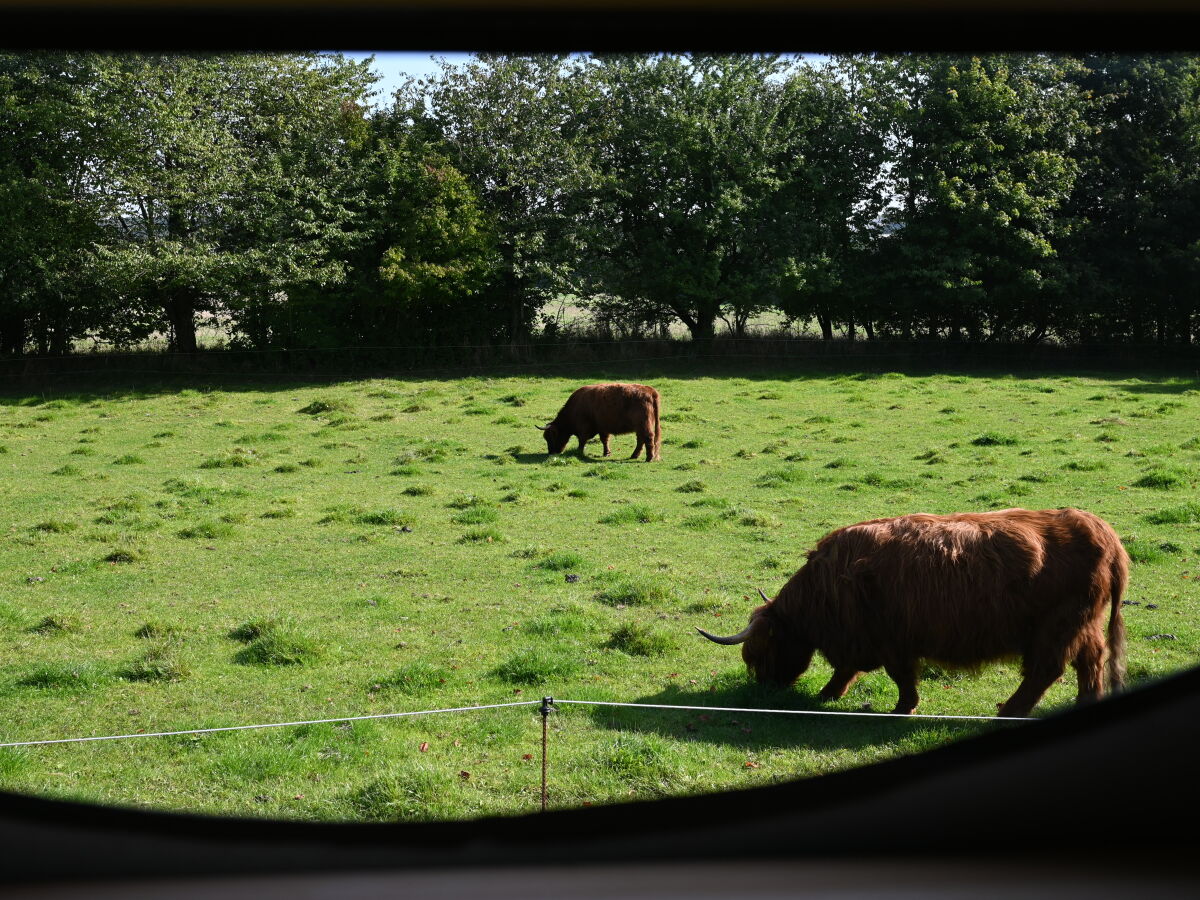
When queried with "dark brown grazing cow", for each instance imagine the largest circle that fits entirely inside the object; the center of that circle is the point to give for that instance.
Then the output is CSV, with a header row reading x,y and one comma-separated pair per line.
x,y
608,409
960,590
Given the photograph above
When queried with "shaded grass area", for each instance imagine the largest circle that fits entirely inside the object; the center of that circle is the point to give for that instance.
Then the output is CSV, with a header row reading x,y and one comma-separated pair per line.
x,y
246,554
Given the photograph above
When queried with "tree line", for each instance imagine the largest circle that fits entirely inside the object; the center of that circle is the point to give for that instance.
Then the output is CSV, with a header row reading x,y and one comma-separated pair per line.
x,y
1010,197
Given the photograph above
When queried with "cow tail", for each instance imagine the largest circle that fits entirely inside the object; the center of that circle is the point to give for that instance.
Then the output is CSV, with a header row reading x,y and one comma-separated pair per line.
x,y
657,453
1116,625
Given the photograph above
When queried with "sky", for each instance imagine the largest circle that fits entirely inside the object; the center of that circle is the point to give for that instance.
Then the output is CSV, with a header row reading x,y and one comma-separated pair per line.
x,y
394,67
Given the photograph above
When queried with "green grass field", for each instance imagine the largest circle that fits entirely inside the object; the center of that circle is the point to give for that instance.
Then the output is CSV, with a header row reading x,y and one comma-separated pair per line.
x,y
184,558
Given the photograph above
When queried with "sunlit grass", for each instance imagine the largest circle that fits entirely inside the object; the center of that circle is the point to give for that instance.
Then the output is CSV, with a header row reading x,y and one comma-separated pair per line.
x,y
308,552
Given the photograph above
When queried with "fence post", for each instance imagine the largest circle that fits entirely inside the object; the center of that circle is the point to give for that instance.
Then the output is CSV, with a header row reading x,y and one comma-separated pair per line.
x,y
546,708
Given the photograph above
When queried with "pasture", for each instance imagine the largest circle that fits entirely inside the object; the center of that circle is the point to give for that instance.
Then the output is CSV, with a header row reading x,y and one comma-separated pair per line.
x,y
186,558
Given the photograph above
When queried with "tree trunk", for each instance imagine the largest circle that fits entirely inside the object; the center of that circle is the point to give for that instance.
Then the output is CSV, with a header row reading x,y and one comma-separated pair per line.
x,y
12,334
826,324
515,292
703,330
60,339
181,312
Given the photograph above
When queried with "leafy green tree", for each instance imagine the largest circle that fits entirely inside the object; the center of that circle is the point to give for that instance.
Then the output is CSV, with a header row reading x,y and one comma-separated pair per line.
x,y
512,125
420,259
48,217
703,198
983,171
220,177
853,114
1137,255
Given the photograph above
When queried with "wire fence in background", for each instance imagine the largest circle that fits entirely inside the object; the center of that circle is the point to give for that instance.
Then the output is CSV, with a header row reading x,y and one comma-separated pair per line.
x,y
458,360
545,706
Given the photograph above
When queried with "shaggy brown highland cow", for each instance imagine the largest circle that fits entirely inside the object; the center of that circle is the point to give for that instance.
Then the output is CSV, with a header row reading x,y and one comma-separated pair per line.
x,y
605,410
960,590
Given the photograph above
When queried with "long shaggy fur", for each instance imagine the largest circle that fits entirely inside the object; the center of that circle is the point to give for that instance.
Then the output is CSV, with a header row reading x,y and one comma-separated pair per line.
x,y
961,590
608,409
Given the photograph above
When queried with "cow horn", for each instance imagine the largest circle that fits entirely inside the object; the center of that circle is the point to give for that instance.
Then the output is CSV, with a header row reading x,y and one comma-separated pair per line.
x,y
732,639
764,596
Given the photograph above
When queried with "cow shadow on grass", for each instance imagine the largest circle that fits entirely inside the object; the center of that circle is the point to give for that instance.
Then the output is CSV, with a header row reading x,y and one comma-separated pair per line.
x,y
794,726
1158,387
529,459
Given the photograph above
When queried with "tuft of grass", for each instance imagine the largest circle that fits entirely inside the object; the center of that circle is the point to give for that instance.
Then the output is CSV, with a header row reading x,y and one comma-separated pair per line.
x,y
231,461
382,517
1185,514
632,514
559,623
1164,479
638,592
210,531
994,439
414,795
68,469
195,489
129,459
561,561
606,473
125,555
482,536
695,486
1085,465
56,526
65,676
418,490
157,631
55,625
280,646
327,405
753,519
780,477
253,629
642,760
10,616
416,678
538,665
476,515
1143,551
161,662
637,639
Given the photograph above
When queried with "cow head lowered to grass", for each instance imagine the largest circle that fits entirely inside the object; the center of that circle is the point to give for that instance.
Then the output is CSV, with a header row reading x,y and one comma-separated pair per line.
x,y
960,590
605,410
